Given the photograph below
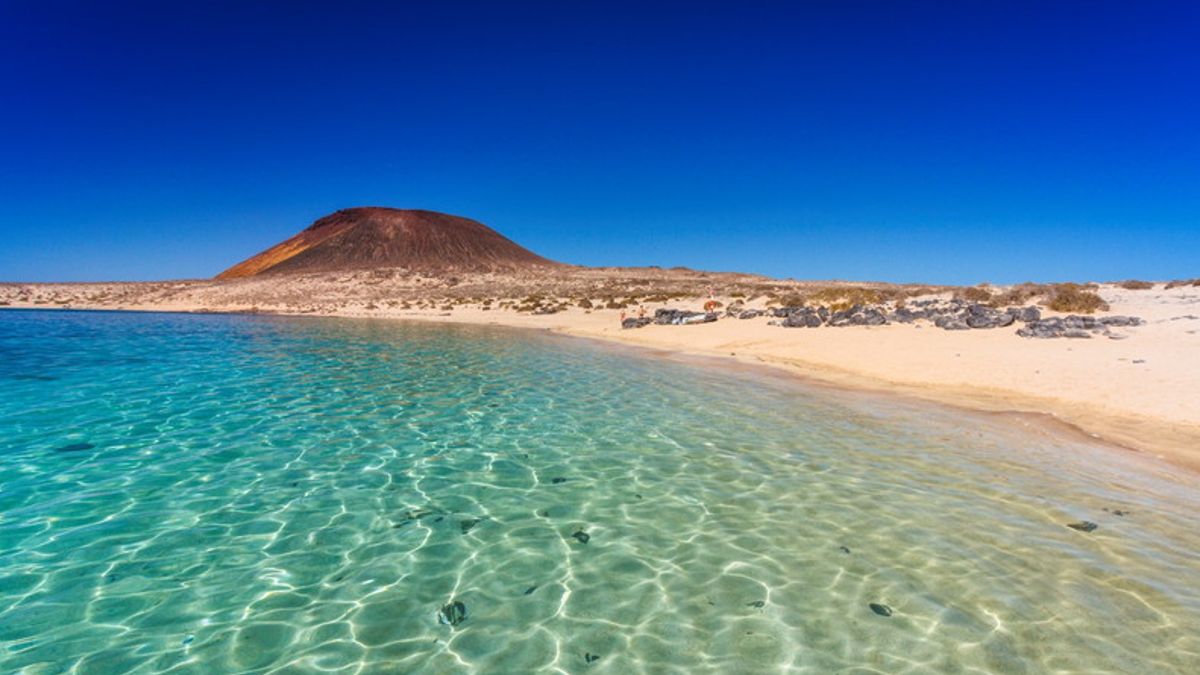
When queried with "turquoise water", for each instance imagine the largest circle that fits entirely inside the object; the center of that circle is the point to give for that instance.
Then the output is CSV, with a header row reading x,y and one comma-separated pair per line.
x,y
207,494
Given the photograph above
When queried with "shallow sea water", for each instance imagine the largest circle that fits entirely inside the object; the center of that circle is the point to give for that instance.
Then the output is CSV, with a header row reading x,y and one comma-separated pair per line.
x,y
224,494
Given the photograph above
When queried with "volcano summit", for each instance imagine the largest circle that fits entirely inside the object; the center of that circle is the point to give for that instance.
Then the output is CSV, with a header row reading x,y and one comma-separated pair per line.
x,y
371,237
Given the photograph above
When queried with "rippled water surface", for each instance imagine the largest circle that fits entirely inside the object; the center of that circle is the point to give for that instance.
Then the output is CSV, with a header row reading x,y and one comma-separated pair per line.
x,y
201,494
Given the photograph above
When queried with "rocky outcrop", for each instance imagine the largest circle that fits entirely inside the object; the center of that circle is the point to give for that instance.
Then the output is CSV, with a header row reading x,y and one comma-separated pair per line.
x,y
680,317
1074,326
636,322
945,314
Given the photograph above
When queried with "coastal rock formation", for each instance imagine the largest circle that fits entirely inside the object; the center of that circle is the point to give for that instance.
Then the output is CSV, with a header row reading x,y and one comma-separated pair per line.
x,y
1074,326
636,322
951,314
374,237
679,317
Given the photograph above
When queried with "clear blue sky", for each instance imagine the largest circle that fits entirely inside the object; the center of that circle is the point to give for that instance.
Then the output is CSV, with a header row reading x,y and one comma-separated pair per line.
x,y
940,142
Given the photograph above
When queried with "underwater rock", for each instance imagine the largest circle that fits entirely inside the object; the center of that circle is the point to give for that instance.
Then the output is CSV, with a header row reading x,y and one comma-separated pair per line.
x,y
411,516
1117,512
558,480
75,447
881,610
590,658
843,549
757,604
452,614
582,536
530,590
1083,526
469,524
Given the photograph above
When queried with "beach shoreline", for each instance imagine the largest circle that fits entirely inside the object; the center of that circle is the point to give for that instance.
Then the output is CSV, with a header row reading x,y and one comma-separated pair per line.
x,y
1092,388
1154,439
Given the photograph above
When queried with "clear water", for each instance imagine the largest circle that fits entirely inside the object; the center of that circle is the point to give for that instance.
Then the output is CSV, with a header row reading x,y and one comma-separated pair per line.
x,y
298,495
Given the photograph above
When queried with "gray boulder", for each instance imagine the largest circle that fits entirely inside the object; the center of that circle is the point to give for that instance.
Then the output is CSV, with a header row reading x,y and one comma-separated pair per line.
x,y
636,322
802,320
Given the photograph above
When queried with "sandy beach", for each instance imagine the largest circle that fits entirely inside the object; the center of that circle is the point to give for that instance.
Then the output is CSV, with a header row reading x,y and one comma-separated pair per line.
x,y
1134,387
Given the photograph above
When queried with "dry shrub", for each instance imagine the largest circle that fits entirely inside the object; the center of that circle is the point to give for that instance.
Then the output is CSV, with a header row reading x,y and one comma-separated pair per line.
x,y
584,304
1075,298
789,300
1135,285
1182,282
846,296
1020,294
974,294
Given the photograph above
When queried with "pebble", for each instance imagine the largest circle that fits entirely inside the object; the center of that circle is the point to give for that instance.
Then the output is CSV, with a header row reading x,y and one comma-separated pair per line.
x,y
881,610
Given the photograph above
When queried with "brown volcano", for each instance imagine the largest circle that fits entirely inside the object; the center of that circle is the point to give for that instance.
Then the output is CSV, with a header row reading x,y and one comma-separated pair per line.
x,y
373,236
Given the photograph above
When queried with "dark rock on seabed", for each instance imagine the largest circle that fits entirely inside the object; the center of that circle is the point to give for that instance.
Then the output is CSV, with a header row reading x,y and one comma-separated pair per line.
x,y
452,614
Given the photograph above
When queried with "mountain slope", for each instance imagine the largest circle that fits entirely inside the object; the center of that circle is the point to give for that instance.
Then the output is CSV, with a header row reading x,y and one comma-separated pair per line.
x,y
368,237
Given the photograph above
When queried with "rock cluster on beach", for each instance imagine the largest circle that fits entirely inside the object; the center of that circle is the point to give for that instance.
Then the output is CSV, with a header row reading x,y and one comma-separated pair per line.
x,y
945,314
1074,326
951,314
671,317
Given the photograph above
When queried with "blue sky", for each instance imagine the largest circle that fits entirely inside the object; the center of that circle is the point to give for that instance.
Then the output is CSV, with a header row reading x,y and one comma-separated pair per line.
x,y
952,142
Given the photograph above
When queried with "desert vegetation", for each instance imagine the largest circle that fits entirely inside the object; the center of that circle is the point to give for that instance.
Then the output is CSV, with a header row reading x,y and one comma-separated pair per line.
x,y
1075,298
1178,283
1136,285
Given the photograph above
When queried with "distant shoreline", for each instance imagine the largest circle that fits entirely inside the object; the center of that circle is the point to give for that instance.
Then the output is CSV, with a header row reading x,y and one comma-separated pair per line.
x,y
1136,393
